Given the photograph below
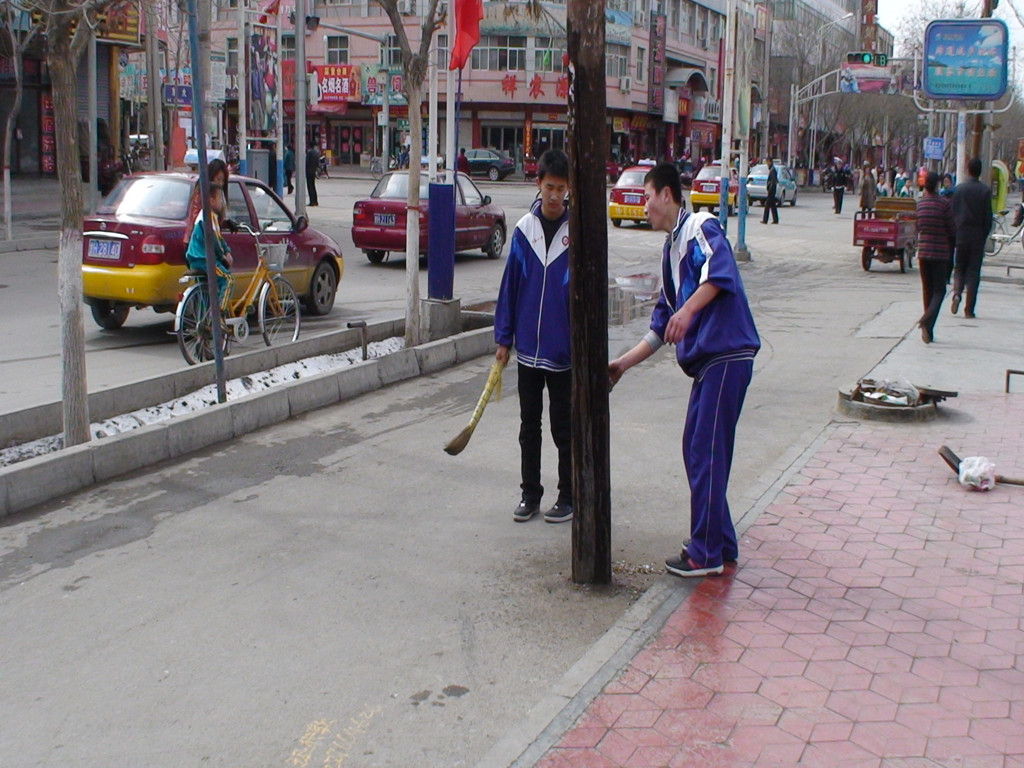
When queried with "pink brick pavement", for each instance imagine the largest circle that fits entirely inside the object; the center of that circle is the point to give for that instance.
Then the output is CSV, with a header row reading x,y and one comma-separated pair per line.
x,y
875,619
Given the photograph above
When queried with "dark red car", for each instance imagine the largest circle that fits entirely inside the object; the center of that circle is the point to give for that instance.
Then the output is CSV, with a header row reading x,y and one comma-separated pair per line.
x,y
133,249
378,222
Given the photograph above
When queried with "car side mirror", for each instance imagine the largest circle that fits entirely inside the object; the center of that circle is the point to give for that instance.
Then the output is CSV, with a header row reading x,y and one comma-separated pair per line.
x,y
487,199
301,224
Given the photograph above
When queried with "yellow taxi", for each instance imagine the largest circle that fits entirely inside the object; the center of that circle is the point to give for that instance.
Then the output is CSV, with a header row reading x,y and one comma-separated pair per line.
x,y
626,200
706,191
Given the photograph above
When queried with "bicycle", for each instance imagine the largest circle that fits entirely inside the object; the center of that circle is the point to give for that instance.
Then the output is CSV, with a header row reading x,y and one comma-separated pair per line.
x,y
321,168
375,168
268,294
1003,232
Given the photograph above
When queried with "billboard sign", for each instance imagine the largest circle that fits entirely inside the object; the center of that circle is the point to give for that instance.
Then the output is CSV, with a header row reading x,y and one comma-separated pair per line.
x,y
966,59
934,147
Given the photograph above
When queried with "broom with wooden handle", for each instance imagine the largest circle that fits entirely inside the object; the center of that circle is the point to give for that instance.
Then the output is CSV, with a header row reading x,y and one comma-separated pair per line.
x,y
461,440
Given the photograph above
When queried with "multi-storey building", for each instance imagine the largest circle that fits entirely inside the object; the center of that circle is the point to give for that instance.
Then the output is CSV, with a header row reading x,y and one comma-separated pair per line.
x,y
664,62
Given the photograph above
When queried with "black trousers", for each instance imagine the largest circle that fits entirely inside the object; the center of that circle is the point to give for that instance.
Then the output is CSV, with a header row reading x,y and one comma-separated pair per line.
x,y
531,407
288,182
934,274
311,187
771,203
967,272
837,198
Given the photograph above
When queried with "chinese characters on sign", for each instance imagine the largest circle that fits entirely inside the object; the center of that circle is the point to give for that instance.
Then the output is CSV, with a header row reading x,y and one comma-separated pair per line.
x,y
338,82
966,59
49,143
656,68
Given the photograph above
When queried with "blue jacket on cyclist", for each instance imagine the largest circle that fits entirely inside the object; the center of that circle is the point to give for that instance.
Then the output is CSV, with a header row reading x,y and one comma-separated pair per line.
x,y
195,256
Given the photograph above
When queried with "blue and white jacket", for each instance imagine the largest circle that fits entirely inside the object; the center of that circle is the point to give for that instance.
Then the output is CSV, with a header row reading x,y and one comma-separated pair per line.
x,y
532,314
697,251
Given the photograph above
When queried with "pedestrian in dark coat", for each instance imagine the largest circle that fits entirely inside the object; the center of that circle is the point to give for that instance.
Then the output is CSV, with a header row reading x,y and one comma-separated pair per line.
x,y
312,164
972,212
289,167
936,235
840,178
868,189
771,200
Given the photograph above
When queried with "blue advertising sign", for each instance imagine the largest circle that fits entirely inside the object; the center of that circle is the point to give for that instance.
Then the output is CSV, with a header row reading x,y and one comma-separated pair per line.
x,y
934,147
966,59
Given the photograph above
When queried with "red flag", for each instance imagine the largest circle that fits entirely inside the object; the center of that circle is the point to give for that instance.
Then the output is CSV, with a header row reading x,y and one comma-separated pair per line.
x,y
270,10
467,30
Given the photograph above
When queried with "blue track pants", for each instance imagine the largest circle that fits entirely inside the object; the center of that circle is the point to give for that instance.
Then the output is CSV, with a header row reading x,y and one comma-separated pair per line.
x,y
708,440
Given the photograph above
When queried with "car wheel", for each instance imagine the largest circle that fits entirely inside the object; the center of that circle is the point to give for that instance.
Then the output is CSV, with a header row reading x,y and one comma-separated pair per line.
x,y
792,201
375,257
323,288
616,222
493,174
696,209
495,242
108,315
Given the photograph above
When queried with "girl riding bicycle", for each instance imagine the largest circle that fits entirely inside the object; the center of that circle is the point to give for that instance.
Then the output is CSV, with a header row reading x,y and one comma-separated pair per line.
x,y
195,256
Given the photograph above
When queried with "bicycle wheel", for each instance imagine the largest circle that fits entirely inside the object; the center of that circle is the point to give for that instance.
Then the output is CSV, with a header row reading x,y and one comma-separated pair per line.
x,y
193,323
278,312
998,237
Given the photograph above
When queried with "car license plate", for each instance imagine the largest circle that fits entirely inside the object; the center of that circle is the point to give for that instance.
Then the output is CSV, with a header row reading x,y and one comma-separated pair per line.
x,y
633,199
384,219
105,249
709,187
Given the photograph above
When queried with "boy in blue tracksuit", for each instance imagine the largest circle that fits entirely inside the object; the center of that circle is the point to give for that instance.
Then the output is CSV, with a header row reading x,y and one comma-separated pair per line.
x,y
532,315
703,310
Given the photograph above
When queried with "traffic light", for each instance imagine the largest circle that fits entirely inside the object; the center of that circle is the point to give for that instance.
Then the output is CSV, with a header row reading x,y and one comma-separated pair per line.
x,y
867,57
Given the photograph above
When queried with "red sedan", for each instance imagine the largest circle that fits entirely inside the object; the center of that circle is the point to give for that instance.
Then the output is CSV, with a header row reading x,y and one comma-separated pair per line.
x,y
133,249
378,222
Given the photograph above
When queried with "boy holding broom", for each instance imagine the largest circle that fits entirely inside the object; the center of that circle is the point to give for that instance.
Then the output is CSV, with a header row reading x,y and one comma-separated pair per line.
x,y
532,315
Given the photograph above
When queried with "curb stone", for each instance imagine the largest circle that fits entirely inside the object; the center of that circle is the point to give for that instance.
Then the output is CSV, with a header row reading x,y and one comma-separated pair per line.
x,y
45,478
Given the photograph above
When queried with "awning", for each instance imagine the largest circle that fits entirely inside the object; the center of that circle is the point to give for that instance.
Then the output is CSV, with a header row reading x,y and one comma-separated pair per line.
x,y
755,93
689,76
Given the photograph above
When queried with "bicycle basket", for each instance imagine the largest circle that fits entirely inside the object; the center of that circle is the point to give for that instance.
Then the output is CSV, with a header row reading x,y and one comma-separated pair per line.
x,y
275,254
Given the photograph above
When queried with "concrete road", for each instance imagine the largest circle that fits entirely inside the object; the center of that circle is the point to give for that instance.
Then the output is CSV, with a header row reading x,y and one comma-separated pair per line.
x,y
336,590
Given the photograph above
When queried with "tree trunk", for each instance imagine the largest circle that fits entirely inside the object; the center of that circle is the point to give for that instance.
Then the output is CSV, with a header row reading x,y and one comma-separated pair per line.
x,y
588,308
412,226
154,96
74,388
12,119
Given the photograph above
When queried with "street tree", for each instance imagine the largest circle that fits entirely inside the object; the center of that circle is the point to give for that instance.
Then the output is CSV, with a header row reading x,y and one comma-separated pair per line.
x,y
68,26
18,36
415,64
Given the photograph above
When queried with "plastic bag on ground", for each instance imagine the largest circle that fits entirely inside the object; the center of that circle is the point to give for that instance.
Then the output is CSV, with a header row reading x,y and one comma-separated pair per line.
x,y
977,473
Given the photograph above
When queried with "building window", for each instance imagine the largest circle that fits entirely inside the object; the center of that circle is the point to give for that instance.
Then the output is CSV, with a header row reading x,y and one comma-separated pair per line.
x,y
616,60
686,23
443,54
641,64
548,55
287,47
393,52
337,49
673,14
232,62
702,26
715,34
500,53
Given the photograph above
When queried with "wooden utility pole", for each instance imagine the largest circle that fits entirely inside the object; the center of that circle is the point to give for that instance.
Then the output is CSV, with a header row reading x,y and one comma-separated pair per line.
x,y
588,305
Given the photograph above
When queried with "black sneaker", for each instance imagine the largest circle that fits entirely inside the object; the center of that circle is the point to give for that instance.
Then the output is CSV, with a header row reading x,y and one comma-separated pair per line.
x,y
682,565
560,513
525,511
725,558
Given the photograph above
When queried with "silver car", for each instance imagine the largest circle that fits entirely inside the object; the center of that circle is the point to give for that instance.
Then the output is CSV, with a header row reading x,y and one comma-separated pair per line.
x,y
757,181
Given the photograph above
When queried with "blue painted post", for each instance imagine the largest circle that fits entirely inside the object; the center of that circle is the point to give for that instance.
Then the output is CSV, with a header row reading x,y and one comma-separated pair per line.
x,y
441,242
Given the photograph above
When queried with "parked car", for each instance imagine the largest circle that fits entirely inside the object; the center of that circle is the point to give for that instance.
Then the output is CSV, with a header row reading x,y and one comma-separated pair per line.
x,y
487,162
378,222
626,200
757,184
707,186
133,249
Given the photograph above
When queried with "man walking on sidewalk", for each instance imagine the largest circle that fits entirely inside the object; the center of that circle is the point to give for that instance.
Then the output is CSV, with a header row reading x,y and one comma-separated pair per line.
x,y
972,212
771,200
703,310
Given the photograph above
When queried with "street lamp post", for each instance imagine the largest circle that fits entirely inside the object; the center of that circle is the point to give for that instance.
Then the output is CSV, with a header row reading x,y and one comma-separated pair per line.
x,y
812,124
